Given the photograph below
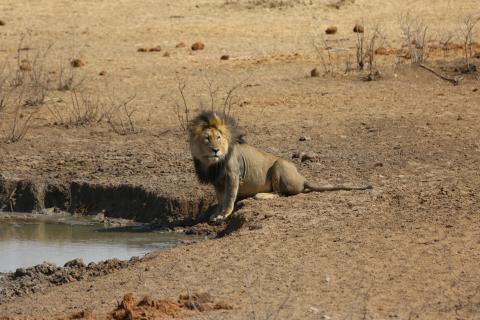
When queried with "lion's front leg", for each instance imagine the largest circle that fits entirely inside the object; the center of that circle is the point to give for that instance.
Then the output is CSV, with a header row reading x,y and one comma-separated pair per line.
x,y
229,195
220,199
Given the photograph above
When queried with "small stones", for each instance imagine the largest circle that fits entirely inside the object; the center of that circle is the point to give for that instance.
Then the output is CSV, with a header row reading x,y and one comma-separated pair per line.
x,y
306,156
381,51
198,46
304,138
2,23
310,156
75,263
155,49
77,63
102,73
331,30
20,272
25,65
225,57
358,28
180,45
314,73
166,54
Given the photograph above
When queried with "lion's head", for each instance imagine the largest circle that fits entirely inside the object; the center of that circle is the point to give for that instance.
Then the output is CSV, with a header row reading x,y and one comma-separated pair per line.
x,y
212,137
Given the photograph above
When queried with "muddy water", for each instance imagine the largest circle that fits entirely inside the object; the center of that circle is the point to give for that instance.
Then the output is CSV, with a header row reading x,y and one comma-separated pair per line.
x,y
27,242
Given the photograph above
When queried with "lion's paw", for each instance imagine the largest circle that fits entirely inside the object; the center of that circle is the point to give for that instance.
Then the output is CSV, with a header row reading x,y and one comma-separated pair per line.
x,y
218,219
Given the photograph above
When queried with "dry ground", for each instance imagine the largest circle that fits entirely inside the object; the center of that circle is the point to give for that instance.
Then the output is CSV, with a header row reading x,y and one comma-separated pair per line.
x,y
409,249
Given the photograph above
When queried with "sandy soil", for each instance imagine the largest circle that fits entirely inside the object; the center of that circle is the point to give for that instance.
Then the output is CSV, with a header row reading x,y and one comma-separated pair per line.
x,y
408,249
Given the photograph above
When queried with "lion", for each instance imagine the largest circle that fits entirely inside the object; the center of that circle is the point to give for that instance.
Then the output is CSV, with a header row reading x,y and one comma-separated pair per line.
x,y
236,169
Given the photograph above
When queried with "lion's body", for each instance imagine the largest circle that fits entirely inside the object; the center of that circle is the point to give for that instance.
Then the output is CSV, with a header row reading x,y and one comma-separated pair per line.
x,y
264,173
236,169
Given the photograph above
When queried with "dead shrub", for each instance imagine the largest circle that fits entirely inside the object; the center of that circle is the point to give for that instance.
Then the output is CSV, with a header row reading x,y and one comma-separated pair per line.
x,y
220,100
119,115
367,45
415,36
82,110
467,34
32,74
16,125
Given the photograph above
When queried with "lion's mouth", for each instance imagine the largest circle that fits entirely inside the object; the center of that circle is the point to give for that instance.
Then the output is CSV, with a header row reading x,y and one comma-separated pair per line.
x,y
214,158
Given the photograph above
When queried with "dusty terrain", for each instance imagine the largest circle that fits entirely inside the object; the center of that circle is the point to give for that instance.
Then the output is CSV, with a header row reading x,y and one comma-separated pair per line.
x,y
408,249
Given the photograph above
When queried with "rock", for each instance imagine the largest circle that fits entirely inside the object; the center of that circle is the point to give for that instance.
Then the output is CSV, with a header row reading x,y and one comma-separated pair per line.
x,y
314,73
304,138
166,54
225,57
46,268
381,51
20,272
102,73
141,50
180,45
25,65
331,30
77,63
310,156
75,263
2,23
358,28
155,49
297,155
198,46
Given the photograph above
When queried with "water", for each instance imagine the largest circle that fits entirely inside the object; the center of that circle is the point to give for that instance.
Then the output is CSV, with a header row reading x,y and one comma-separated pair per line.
x,y
27,242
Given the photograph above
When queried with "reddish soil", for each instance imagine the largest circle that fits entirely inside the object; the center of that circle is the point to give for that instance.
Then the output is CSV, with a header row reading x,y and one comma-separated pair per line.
x,y
408,249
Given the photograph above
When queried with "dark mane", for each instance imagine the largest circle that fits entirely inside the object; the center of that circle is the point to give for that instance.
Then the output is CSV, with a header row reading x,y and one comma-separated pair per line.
x,y
207,119
224,123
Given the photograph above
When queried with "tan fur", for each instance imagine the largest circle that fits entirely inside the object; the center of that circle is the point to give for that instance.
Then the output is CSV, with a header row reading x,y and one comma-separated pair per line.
x,y
242,170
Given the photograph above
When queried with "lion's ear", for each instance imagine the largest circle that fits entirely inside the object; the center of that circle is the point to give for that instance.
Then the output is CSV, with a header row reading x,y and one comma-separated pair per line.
x,y
240,135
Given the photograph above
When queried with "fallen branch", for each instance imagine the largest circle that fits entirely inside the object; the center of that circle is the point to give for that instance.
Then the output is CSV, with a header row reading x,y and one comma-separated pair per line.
x,y
441,76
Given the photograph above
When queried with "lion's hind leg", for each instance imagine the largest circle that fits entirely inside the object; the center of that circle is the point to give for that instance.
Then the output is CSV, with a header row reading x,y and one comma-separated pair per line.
x,y
285,178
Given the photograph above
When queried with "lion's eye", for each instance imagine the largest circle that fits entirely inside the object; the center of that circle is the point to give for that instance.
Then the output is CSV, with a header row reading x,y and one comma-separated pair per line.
x,y
207,140
218,137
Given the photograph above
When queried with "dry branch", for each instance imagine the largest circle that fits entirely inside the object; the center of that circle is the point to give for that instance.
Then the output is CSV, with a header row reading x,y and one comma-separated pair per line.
x,y
441,76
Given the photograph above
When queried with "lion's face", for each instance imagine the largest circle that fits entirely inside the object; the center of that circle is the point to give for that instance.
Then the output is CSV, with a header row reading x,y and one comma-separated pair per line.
x,y
210,146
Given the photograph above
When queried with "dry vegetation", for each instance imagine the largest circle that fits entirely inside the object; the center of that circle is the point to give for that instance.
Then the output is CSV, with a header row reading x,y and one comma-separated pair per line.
x,y
384,254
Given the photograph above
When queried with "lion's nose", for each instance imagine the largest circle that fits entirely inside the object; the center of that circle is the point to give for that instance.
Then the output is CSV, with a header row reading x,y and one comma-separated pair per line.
x,y
215,150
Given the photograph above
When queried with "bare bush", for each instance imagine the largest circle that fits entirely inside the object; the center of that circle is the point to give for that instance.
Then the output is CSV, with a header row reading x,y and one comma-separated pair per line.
x,y
222,101
32,74
366,45
325,55
467,34
20,122
68,77
82,110
446,43
415,36
119,115
182,109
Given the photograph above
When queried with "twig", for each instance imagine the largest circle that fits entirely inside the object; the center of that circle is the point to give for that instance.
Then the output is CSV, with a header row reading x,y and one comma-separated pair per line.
x,y
441,76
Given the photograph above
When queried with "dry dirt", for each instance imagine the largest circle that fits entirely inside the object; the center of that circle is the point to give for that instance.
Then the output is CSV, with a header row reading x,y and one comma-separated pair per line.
x,y
408,249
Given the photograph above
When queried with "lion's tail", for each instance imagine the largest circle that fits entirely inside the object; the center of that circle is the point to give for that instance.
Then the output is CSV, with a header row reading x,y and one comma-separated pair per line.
x,y
308,187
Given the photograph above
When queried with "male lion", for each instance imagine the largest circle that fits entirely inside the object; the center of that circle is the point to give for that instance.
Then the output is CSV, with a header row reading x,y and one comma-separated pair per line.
x,y
222,158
